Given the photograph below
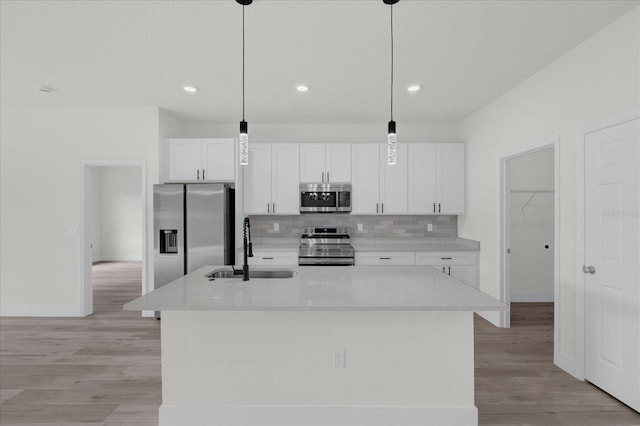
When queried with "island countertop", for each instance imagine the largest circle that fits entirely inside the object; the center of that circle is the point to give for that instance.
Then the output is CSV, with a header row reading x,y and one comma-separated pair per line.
x,y
321,288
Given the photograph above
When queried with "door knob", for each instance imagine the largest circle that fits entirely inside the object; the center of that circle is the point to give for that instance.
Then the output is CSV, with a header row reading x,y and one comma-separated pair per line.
x,y
588,269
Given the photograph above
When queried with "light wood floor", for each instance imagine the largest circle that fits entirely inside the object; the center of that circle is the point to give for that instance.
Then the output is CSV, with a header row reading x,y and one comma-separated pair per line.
x,y
105,369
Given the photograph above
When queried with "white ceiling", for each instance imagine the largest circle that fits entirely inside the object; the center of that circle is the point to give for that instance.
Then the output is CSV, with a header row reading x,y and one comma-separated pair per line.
x,y
464,54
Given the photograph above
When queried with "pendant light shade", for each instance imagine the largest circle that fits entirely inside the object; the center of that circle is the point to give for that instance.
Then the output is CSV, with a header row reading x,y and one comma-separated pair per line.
x,y
391,131
243,139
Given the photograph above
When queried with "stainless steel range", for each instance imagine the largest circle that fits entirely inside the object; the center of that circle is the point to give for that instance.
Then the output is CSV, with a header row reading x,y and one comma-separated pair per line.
x,y
326,246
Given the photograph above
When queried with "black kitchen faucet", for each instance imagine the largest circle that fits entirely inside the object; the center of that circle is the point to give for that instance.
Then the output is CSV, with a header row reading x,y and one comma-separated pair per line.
x,y
247,248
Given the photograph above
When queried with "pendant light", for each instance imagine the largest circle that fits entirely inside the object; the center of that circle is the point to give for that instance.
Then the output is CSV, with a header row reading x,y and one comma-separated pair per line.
x,y
243,140
391,131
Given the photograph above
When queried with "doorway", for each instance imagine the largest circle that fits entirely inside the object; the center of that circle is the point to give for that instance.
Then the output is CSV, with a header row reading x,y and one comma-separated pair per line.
x,y
114,223
529,235
607,257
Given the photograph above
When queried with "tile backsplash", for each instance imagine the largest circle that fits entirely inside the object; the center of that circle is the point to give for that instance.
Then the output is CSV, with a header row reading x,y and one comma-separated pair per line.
x,y
372,226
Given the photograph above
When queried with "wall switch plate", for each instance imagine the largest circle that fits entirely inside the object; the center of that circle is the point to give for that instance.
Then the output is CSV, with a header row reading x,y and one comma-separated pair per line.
x,y
429,227
340,358
276,227
360,228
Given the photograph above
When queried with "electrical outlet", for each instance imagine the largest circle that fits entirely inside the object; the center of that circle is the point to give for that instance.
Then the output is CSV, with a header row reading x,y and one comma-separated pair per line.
x,y
430,227
340,358
360,228
276,227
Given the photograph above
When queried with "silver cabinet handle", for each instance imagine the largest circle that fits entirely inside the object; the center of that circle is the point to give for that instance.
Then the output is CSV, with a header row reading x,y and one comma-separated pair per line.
x,y
267,258
443,270
385,258
268,207
446,258
382,208
588,269
322,176
198,174
449,270
328,177
376,208
434,207
273,210
438,207
202,174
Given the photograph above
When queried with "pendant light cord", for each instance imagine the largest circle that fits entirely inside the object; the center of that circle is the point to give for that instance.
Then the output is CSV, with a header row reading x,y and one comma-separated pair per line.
x,y
392,62
242,62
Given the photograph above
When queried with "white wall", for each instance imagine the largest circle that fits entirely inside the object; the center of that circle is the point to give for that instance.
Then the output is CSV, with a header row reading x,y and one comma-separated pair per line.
x,y
532,227
40,221
327,132
595,80
119,223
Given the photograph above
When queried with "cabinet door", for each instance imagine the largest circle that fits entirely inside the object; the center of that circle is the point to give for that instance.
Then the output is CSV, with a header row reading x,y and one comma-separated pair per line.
x,y
338,162
365,174
393,182
451,171
285,175
185,159
385,258
422,178
312,162
466,274
257,180
218,159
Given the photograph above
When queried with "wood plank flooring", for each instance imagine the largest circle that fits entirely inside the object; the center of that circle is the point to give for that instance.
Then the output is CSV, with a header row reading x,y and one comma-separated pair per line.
x,y
105,369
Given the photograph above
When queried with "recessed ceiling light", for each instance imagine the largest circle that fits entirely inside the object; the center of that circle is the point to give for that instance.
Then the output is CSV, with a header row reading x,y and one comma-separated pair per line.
x,y
413,88
190,89
302,88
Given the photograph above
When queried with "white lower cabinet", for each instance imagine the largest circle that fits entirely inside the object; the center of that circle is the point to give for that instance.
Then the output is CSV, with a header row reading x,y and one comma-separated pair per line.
x,y
279,258
462,266
377,258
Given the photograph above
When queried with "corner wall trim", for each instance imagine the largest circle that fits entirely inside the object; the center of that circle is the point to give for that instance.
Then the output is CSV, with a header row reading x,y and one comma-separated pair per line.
x,y
296,415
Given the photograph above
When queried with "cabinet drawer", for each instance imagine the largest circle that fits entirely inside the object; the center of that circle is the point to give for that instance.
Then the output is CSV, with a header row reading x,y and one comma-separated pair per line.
x,y
385,258
445,258
272,258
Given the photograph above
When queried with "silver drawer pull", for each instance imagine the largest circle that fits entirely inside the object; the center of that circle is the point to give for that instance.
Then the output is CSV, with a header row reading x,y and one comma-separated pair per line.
x,y
446,258
267,258
385,258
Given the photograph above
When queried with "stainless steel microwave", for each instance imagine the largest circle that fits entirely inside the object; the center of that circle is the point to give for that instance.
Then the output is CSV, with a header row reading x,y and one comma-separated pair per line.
x,y
325,198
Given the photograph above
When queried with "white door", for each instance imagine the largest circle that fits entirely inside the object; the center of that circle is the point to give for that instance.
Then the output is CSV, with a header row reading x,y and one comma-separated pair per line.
x,y
612,322
393,182
257,180
365,174
218,160
422,178
338,162
451,172
285,175
312,162
185,159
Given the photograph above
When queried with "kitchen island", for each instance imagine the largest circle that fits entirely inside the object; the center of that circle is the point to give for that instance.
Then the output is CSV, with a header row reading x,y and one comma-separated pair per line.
x,y
330,346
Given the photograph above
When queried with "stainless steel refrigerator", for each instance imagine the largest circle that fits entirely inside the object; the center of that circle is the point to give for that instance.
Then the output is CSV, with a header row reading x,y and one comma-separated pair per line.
x,y
193,226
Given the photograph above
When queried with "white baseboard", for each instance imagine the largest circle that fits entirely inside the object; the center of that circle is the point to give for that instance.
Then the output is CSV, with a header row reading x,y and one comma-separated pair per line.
x,y
568,364
182,415
532,297
40,311
117,258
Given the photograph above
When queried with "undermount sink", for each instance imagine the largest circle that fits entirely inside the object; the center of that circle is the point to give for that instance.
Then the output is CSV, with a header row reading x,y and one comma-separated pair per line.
x,y
253,273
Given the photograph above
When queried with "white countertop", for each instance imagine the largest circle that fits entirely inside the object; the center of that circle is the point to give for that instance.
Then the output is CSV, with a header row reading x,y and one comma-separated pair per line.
x,y
375,244
321,288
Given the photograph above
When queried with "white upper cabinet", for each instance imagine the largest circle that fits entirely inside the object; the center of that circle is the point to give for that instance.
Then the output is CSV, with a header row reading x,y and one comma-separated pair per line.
x,y
377,187
285,183
271,184
365,174
257,180
393,181
325,162
201,160
437,178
